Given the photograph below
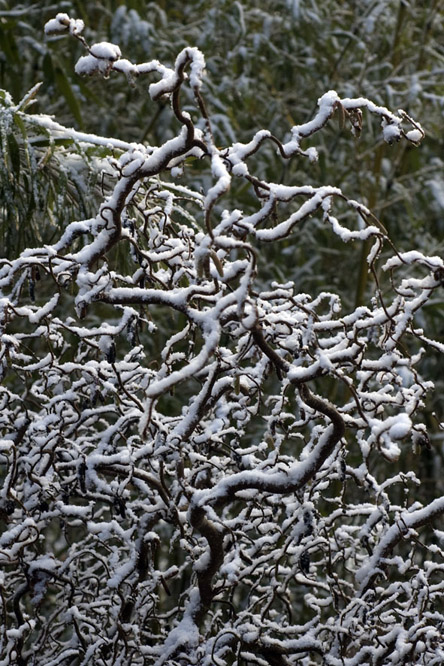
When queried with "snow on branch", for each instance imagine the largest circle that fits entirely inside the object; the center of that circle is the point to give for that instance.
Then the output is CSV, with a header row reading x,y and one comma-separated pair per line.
x,y
200,464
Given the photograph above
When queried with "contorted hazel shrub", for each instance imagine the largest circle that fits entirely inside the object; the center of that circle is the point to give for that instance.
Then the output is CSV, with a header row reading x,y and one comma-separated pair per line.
x,y
198,466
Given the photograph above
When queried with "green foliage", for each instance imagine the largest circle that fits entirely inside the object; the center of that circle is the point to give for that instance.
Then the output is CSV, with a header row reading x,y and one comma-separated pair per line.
x,y
46,179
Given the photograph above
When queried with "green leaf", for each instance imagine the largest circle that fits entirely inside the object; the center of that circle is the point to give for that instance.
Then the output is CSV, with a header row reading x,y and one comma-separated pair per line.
x,y
48,70
29,97
45,143
8,44
21,126
65,88
18,122
14,154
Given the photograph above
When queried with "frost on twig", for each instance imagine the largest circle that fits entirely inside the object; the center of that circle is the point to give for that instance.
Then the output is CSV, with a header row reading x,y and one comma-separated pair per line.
x,y
199,465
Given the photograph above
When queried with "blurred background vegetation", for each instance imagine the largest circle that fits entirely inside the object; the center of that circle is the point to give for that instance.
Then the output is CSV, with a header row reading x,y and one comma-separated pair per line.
x,y
268,61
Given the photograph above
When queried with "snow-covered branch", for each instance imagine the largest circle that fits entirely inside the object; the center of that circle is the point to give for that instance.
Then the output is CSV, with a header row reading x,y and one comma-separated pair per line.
x,y
201,464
